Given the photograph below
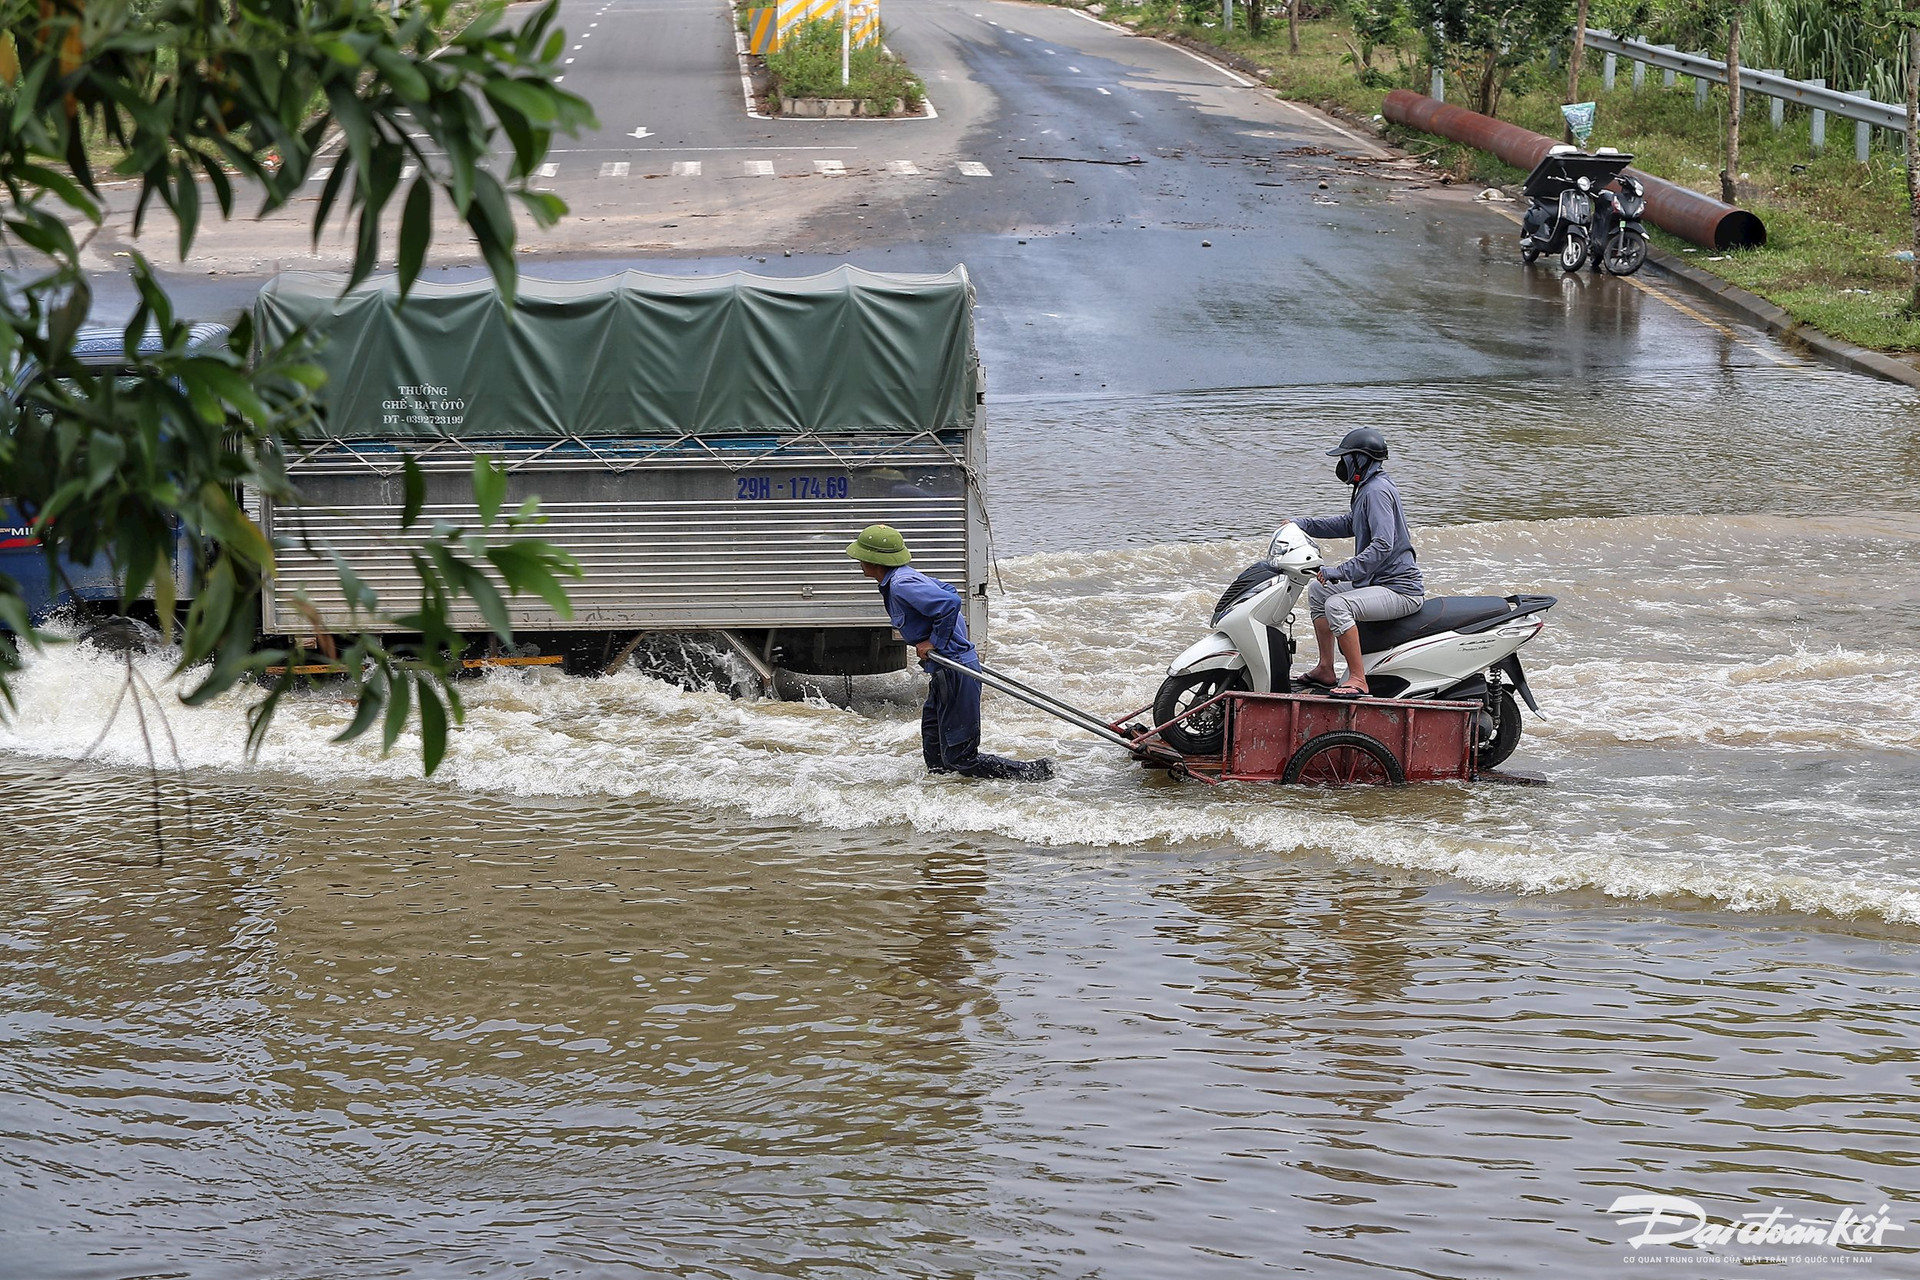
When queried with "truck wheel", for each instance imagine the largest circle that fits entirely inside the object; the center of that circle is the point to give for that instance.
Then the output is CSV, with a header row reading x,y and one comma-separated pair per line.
x,y
1203,734
1498,745
1344,758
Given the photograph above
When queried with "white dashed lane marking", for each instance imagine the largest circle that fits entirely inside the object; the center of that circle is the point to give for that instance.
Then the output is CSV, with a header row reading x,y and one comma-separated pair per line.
x,y
825,168
1105,92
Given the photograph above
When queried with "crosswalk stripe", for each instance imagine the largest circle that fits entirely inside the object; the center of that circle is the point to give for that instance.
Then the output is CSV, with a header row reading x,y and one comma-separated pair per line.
x,y
974,169
548,170
686,168
757,168
905,168
615,169
829,166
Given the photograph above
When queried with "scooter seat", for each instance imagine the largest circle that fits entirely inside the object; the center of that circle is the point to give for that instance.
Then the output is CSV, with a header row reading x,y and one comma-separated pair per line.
x,y
1438,614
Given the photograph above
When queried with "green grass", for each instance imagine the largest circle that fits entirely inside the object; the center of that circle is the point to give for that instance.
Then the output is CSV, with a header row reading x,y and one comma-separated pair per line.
x,y
1833,225
807,65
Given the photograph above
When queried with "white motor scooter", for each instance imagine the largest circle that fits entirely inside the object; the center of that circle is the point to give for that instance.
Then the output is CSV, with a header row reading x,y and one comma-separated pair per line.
x,y
1460,648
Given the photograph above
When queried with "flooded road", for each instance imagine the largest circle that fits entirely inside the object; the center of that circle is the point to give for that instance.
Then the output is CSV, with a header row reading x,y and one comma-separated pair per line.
x,y
649,982
653,982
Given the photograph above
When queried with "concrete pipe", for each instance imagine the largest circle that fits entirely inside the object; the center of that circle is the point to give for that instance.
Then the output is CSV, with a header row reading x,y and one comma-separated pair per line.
x,y
1687,214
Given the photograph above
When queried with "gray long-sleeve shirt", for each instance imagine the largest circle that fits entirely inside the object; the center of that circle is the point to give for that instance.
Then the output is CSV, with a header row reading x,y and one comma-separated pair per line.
x,y
1382,545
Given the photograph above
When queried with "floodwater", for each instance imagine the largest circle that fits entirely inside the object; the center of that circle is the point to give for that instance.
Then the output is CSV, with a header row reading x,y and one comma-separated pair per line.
x,y
650,982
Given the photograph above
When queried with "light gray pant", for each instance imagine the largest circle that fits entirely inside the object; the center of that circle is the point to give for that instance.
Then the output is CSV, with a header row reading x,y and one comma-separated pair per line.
x,y
1342,604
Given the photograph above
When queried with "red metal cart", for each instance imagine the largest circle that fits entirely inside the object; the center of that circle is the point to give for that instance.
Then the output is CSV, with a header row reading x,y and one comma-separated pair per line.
x,y
1290,737
1322,741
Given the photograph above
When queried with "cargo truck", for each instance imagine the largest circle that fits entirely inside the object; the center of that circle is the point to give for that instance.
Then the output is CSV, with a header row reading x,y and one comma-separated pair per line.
x,y
705,446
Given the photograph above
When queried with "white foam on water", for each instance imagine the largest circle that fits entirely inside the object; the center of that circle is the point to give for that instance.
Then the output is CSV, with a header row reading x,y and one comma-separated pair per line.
x,y
1097,629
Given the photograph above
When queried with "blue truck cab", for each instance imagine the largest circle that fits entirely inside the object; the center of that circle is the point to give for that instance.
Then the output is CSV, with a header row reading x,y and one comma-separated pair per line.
x,y
21,555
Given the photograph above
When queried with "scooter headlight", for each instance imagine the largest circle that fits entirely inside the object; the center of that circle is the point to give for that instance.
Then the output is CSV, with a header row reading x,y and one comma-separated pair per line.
x,y
1292,549
1585,184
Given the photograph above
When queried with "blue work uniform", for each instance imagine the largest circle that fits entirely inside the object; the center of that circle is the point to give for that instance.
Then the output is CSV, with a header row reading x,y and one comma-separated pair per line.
x,y
924,608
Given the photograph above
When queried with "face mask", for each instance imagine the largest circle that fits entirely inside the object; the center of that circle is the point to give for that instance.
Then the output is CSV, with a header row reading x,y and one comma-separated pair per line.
x,y
1347,471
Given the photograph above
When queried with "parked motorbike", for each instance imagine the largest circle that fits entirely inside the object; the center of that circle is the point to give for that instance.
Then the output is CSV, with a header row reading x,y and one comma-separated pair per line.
x,y
1560,204
1461,648
1619,243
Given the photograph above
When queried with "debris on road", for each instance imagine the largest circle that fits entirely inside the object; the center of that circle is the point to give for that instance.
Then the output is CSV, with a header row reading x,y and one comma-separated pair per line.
x,y
1130,160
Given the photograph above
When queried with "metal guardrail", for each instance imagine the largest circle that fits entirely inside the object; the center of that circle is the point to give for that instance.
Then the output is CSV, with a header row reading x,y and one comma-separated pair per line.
x,y
1851,106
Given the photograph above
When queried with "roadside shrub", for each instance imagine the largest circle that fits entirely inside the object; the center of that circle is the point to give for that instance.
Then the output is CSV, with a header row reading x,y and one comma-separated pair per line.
x,y
807,65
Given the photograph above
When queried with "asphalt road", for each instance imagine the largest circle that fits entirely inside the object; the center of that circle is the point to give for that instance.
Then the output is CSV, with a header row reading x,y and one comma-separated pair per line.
x,y
1131,213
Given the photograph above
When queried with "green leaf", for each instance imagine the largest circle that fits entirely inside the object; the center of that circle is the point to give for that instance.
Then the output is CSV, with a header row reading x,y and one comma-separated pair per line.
x,y
532,566
416,230
531,99
163,593
105,453
399,705
401,74
414,486
433,727
359,597
489,487
363,716
186,203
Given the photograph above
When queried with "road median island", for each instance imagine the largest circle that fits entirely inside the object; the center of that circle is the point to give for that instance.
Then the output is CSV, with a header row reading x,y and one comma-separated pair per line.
x,y
802,77
1838,232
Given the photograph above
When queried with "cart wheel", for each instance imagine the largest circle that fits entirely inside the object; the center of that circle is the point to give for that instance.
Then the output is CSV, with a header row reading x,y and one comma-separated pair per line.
x,y
1344,758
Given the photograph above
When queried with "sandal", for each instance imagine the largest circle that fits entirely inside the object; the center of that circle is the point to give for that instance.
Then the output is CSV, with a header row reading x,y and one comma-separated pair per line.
x,y
1347,692
1312,682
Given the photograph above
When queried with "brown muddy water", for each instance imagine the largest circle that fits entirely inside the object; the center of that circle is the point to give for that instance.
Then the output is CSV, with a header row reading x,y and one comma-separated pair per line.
x,y
649,982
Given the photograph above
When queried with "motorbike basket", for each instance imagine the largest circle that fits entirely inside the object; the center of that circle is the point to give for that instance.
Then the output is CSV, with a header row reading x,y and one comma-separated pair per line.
x,y
1576,206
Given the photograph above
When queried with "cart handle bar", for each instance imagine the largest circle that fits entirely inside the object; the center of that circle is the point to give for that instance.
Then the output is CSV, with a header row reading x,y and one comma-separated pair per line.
x,y
1034,698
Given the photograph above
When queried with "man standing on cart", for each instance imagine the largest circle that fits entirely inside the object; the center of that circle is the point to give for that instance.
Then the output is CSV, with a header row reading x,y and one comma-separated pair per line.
x,y
927,614
1380,582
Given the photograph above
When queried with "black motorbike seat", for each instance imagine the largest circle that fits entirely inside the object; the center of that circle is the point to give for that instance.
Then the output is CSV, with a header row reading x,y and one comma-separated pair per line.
x,y
1440,613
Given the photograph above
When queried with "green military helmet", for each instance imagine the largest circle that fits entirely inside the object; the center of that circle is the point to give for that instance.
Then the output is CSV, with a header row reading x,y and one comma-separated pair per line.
x,y
880,544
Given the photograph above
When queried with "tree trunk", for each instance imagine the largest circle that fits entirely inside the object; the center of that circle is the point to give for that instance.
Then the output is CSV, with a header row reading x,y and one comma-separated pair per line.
x,y
1489,68
1574,58
1256,17
1728,191
1578,53
1913,147
1293,26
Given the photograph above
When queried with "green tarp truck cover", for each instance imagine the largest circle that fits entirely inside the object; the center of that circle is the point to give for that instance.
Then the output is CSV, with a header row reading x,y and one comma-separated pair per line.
x,y
636,354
